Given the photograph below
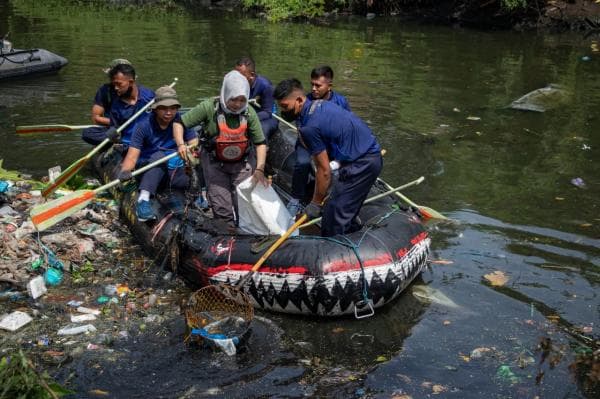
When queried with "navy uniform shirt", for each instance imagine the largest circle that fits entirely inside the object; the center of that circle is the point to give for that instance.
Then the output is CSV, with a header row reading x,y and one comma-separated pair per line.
x,y
324,126
119,112
150,138
262,91
335,98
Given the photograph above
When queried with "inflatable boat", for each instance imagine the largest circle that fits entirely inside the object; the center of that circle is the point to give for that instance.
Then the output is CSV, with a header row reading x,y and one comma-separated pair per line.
x,y
308,274
15,63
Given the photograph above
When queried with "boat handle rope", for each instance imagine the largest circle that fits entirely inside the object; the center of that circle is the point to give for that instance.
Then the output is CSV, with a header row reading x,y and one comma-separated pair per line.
x,y
367,302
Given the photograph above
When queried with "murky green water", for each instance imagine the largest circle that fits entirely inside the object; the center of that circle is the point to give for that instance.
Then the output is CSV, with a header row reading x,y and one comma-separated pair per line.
x,y
504,179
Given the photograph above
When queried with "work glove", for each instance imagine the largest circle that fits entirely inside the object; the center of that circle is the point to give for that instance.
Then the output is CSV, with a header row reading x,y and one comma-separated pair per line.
x,y
113,135
313,210
124,176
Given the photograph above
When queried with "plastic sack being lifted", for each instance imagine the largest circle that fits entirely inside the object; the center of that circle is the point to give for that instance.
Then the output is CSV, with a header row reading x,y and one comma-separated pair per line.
x,y
261,211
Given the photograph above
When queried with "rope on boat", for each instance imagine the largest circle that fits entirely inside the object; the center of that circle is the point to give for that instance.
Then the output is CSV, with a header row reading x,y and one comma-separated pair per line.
x,y
348,243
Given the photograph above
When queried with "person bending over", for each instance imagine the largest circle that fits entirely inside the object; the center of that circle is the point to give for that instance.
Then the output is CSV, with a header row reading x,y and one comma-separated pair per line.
x,y
331,133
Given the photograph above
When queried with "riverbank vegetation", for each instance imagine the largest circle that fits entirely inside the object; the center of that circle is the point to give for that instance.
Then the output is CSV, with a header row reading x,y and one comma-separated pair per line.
x,y
559,15
503,14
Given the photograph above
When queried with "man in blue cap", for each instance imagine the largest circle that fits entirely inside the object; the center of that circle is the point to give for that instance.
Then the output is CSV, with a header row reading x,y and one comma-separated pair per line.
x,y
331,133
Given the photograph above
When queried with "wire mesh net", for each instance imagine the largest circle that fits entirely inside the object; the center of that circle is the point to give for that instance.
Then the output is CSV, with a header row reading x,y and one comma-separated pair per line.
x,y
218,312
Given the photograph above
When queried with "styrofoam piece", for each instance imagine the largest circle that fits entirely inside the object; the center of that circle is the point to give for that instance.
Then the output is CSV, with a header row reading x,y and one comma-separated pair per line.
x,y
15,320
36,287
80,318
83,309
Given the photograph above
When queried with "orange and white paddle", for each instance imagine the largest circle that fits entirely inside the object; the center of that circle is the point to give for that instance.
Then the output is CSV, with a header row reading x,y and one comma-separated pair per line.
x,y
52,212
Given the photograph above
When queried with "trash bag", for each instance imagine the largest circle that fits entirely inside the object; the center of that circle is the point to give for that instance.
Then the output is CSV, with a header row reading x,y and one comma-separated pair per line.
x,y
261,211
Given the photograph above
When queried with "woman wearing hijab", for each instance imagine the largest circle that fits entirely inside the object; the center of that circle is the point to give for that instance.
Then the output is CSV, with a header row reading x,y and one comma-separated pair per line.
x,y
233,142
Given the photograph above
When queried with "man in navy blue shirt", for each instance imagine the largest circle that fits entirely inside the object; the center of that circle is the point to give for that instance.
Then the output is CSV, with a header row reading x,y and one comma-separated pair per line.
x,y
115,103
331,133
261,90
153,139
321,81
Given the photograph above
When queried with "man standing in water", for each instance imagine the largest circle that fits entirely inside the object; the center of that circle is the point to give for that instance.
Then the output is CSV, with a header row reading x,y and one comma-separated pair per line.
x,y
115,103
331,133
321,80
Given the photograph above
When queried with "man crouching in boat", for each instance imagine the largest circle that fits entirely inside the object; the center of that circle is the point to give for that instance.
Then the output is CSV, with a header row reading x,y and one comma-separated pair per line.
x,y
231,130
152,140
333,134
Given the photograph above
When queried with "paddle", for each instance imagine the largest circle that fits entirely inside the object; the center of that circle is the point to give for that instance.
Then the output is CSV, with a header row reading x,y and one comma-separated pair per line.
x,y
426,212
52,212
75,167
50,128
271,249
376,197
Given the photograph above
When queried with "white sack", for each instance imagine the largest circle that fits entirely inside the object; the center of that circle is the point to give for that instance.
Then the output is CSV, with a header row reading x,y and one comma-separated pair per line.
x,y
261,211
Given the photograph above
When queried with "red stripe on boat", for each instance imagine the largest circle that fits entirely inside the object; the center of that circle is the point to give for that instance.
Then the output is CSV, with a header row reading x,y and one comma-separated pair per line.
x,y
344,266
245,267
418,238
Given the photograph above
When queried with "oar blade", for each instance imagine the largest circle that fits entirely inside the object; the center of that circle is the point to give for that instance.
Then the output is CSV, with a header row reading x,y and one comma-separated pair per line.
x,y
51,128
429,213
52,212
64,176
29,129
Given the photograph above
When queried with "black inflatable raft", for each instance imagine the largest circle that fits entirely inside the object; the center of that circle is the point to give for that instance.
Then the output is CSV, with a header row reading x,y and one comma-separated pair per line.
x,y
308,274
16,63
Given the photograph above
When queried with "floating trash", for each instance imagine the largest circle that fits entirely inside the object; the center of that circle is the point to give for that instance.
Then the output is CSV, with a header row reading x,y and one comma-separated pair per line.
x,y
541,100
578,182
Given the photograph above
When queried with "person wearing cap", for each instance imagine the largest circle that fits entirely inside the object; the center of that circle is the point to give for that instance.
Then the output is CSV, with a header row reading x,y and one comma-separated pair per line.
x,y
321,82
331,133
153,139
115,103
261,90
233,144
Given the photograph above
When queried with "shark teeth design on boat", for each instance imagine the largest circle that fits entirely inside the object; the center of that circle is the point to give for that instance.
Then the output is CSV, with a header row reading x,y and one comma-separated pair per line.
x,y
334,293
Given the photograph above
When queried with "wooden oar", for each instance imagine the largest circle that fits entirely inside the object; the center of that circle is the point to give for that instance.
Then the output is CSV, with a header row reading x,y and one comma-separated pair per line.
x,y
271,249
280,119
376,197
52,212
75,167
426,212
32,129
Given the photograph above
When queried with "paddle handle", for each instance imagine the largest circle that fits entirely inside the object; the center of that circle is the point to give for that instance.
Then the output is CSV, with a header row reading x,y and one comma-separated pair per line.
x,y
271,249
376,197
126,123
280,119
400,195
136,172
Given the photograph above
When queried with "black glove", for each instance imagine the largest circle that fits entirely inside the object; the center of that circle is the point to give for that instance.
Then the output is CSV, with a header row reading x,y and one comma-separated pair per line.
x,y
313,210
113,135
124,175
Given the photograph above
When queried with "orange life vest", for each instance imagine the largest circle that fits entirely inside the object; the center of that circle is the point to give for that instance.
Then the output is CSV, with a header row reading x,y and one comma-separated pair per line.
x,y
231,145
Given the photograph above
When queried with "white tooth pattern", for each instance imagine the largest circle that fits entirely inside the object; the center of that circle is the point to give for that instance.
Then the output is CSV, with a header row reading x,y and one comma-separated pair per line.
x,y
404,271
